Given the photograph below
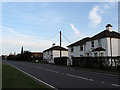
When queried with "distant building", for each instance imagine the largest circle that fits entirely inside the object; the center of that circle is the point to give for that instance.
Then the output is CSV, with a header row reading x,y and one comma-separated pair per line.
x,y
53,52
106,39
37,55
4,56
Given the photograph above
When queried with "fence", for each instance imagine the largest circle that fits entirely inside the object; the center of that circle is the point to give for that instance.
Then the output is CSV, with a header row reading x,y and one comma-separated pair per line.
x,y
96,62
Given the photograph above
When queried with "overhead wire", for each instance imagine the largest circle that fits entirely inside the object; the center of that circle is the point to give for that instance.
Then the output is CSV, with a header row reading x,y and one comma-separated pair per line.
x,y
65,38
52,36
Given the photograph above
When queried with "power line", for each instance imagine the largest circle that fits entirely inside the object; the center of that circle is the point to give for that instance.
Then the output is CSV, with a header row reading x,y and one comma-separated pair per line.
x,y
52,36
65,38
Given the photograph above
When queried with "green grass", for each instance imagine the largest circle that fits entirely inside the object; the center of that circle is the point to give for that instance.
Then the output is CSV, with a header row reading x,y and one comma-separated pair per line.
x,y
12,78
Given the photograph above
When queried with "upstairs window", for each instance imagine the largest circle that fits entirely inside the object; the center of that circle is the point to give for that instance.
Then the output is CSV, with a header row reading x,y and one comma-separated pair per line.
x,y
71,49
92,44
81,48
99,43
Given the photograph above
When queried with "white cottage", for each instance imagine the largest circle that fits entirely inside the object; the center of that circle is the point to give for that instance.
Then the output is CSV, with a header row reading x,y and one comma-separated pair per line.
x,y
106,39
53,52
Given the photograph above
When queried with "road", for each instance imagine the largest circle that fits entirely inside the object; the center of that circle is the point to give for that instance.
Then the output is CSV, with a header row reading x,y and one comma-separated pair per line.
x,y
58,77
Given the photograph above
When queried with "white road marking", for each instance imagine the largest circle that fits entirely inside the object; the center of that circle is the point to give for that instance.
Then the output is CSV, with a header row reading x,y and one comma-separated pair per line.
x,y
79,77
51,70
102,82
36,78
66,74
96,72
116,85
68,69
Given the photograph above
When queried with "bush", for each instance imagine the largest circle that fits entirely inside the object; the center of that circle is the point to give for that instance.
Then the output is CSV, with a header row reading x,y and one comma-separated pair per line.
x,y
96,62
61,61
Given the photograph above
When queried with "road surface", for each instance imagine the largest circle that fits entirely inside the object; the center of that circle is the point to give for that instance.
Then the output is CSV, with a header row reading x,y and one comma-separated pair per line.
x,y
58,77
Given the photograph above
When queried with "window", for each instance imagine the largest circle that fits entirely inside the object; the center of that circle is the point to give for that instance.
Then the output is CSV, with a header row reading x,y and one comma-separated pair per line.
x,y
51,56
99,43
72,56
92,43
81,55
102,54
81,48
71,49
87,54
95,54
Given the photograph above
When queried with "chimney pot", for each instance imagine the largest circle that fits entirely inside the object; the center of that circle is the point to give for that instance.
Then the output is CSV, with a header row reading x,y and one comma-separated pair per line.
x,y
109,27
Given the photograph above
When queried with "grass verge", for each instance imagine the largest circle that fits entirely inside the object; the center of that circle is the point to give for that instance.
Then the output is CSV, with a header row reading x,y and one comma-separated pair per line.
x,y
12,78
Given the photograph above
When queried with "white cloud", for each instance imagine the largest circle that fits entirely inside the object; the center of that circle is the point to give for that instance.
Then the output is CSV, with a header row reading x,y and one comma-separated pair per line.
x,y
95,15
11,30
12,41
76,31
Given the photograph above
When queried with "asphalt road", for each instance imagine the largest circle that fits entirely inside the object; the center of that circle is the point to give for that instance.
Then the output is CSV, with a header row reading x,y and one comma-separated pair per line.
x,y
62,77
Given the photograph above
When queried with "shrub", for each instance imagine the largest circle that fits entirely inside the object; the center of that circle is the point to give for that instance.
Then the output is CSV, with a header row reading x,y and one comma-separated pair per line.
x,y
61,61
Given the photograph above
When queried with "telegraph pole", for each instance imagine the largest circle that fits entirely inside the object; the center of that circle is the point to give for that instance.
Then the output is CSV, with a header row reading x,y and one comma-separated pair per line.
x,y
60,44
22,50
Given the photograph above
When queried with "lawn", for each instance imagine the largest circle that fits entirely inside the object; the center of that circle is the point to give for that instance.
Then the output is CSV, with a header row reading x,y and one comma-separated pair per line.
x,y
12,78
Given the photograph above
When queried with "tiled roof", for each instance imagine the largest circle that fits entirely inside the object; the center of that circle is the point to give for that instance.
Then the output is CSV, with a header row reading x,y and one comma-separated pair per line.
x,y
102,34
56,48
36,52
80,42
106,33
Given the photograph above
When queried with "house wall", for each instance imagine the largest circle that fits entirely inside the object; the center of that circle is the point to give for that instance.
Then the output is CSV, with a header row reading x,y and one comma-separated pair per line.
x,y
56,53
87,48
119,47
47,55
50,55
115,47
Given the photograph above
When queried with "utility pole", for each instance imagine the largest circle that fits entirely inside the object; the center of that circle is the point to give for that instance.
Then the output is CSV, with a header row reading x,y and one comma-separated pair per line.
x,y
22,50
60,44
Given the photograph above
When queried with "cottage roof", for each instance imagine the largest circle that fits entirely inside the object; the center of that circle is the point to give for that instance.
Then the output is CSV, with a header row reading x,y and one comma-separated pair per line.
x,y
80,42
56,48
103,34
36,53
106,33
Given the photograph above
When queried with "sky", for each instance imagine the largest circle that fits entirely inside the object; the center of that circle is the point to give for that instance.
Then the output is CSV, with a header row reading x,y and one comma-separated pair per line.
x,y
36,25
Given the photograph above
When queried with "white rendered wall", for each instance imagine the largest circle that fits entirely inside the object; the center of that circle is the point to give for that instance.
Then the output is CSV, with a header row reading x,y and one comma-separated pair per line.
x,y
119,47
115,48
88,49
47,55
105,44
56,53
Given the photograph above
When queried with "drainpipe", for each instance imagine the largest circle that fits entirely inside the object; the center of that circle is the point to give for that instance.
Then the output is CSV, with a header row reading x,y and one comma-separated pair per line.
x,y
111,46
85,49
111,50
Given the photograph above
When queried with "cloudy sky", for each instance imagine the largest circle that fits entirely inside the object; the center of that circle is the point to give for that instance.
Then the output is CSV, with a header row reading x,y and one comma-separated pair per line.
x,y
36,25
